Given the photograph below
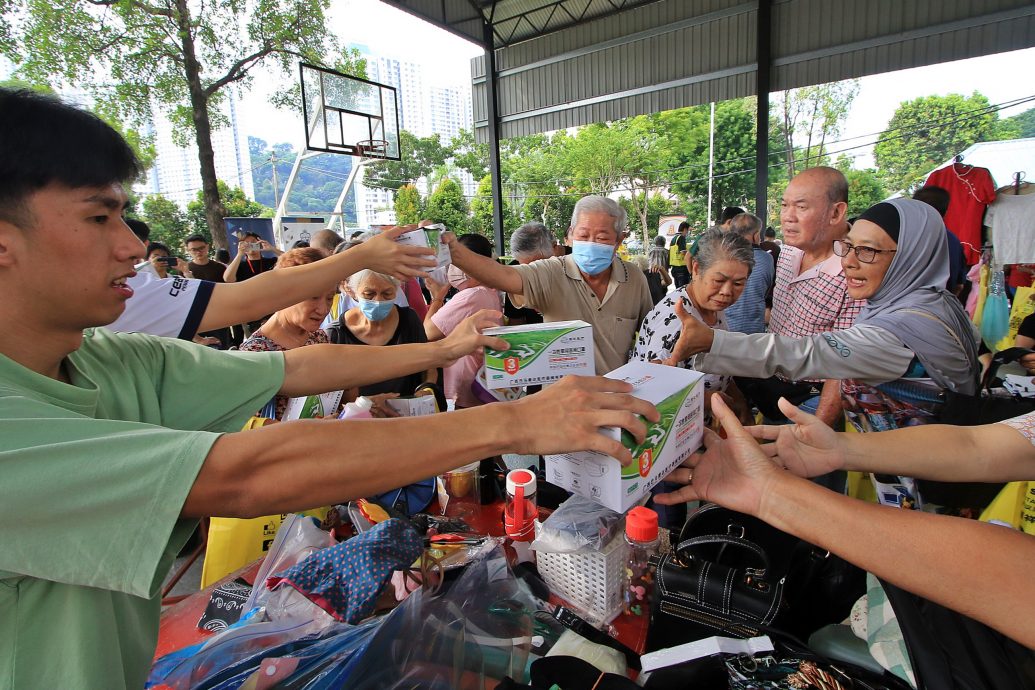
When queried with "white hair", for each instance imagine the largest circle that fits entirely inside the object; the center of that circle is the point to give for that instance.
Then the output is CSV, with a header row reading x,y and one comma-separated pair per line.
x,y
531,240
357,278
601,204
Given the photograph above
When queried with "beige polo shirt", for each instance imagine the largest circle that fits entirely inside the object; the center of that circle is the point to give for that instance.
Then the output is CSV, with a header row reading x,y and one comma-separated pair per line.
x,y
556,289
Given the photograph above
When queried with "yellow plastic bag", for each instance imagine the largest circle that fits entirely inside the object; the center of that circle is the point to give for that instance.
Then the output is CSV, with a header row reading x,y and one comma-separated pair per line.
x,y
1014,506
233,543
1022,307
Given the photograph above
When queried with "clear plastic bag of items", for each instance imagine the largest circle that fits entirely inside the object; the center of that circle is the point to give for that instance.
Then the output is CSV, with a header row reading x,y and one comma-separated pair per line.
x,y
579,525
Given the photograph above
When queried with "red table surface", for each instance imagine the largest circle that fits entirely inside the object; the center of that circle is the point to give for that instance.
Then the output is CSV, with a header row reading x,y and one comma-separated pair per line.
x,y
179,623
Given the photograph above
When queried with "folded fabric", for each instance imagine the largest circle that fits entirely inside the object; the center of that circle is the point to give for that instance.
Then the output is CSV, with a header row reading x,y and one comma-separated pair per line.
x,y
344,580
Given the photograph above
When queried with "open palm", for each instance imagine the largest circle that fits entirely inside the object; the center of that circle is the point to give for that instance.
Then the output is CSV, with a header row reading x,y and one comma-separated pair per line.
x,y
808,448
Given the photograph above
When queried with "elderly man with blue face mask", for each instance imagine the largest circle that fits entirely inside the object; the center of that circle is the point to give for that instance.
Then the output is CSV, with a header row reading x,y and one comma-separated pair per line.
x,y
591,284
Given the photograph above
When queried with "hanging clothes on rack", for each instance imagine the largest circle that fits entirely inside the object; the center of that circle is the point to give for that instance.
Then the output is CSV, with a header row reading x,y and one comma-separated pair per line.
x,y
971,190
1012,222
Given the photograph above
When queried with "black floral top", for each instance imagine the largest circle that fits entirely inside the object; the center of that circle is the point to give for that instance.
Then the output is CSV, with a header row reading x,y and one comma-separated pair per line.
x,y
660,331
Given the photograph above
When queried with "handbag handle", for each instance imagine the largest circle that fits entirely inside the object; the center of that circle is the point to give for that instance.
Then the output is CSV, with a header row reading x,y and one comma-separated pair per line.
x,y
740,542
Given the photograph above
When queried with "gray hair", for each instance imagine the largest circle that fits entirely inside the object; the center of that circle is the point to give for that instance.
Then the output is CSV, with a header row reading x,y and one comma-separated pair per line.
x,y
530,241
746,225
601,204
358,277
715,245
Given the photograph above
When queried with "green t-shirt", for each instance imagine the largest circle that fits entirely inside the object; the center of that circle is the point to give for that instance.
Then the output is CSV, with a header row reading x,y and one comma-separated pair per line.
x,y
94,476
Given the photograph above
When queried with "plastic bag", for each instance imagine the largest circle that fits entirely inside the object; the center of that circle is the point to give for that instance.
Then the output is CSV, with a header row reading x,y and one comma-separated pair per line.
x,y
579,525
296,539
292,652
476,631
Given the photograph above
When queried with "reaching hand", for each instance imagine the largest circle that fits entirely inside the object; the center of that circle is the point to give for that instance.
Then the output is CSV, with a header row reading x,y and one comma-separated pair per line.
x,y
808,448
381,408
733,472
438,290
1028,361
567,416
467,337
695,336
182,266
381,253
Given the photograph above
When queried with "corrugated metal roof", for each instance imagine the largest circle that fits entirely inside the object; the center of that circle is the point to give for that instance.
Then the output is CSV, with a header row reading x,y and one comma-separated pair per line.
x,y
572,62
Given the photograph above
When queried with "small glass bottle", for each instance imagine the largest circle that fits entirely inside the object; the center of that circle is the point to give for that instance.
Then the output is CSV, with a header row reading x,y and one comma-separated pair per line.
x,y
641,533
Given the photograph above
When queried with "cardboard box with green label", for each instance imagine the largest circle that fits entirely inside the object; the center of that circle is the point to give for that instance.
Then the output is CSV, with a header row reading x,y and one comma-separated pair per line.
x,y
539,353
429,237
679,396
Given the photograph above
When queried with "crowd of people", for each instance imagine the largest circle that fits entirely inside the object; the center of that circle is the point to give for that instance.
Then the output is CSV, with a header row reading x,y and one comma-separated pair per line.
x,y
119,432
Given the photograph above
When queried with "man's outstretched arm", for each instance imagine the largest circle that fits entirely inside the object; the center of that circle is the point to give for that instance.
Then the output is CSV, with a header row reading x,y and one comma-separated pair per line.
x,y
233,303
301,464
483,269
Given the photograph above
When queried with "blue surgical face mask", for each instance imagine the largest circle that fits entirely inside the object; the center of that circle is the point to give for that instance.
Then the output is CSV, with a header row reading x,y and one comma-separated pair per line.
x,y
375,310
592,257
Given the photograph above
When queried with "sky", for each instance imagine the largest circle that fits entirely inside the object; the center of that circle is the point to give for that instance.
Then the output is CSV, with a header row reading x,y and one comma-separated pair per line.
x,y
386,30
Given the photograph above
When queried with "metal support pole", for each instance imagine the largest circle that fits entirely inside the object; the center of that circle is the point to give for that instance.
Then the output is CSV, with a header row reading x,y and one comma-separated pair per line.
x,y
494,136
711,161
763,31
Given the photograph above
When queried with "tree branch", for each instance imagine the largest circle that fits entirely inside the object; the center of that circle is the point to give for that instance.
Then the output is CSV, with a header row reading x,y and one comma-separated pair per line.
x,y
240,68
149,9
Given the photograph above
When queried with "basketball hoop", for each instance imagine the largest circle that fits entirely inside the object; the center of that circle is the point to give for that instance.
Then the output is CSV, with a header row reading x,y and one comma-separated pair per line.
x,y
372,148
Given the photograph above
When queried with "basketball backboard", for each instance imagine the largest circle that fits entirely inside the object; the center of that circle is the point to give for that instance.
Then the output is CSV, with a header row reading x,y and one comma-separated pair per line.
x,y
349,115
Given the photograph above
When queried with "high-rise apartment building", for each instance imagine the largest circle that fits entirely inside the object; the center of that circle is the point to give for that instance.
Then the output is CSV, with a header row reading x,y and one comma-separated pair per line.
x,y
426,107
176,173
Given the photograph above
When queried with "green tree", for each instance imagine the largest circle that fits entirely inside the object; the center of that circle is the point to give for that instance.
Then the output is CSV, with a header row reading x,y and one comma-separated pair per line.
x,y
419,158
481,213
927,131
809,116
232,200
178,55
167,221
469,155
447,205
656,206
865,189
1024,124
409,207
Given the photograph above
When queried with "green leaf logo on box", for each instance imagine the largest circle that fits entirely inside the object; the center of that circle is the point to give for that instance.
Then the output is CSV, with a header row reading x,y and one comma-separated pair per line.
x,y
657,435
525,346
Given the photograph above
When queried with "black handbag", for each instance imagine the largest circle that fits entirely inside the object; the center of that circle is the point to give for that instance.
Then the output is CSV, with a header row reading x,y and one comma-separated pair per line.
x,y
720,581
734,575
973,410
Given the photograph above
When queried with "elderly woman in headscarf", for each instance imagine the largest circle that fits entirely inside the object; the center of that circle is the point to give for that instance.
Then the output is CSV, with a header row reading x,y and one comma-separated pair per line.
x,y
911,342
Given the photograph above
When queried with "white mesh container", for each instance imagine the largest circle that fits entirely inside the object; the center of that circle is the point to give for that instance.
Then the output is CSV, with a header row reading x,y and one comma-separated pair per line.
x,y
591,581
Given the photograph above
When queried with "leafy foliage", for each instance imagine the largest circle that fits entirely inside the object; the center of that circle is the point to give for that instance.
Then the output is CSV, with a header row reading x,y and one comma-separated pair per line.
x,y
420,157
481,213
1023,124
317,187
175,55
232,199
167,221
409,207
447,205
865,189
927,131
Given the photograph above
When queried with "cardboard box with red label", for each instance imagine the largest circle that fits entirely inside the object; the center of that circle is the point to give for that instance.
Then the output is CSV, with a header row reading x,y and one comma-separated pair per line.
x,y
679,396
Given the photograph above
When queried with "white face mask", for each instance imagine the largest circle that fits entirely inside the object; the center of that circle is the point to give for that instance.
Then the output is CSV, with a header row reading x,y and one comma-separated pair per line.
x,y
456,277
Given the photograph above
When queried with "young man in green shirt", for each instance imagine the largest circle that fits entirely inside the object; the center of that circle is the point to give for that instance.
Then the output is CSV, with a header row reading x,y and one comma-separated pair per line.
x,y
113,444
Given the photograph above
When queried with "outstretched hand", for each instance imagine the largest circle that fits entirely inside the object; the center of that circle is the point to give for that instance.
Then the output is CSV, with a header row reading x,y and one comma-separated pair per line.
x,y
733,472
695,336
566,416
808,447
381,253
467,337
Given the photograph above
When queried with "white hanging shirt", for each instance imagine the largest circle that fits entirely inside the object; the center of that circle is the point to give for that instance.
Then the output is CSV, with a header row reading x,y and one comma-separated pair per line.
x,y
1012,219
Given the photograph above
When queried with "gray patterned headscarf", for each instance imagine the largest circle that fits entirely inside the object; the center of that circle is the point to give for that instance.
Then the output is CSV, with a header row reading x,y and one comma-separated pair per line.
x,y
913,304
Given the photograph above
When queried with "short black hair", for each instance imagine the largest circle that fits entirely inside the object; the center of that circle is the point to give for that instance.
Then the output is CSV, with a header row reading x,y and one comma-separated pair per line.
x,y
683,226
478,244
300,244
44,141
141,229
249,233
157,246
938,197
770,231
729,213
195,238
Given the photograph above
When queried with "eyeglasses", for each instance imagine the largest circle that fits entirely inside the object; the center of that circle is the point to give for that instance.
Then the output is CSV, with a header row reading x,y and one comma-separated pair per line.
x,y
197,250
866,255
